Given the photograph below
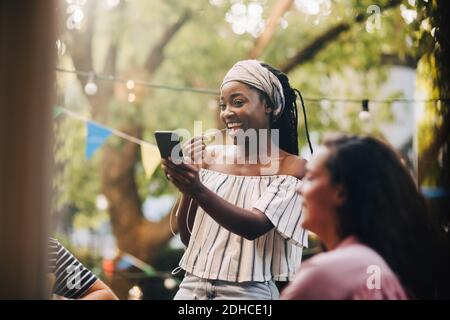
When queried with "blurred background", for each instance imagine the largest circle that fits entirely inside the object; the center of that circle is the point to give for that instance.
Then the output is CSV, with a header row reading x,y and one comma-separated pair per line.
x,y
137,66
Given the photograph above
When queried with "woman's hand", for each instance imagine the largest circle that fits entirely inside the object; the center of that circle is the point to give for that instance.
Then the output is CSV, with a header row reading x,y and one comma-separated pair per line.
x,y
194,150
184,176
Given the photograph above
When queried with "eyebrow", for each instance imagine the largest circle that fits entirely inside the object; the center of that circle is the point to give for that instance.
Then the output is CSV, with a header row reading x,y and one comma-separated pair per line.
x,y
234,95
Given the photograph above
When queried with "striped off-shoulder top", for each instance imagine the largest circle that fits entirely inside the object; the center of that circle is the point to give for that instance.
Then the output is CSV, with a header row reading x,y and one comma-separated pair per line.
x,y
216,253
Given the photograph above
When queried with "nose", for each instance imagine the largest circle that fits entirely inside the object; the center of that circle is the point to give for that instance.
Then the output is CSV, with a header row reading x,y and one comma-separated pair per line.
x,y
228,114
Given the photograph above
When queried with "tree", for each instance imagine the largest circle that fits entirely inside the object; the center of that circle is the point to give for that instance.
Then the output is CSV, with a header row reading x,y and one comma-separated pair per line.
x,y
280,8
191,44
320,42
434,129
134,234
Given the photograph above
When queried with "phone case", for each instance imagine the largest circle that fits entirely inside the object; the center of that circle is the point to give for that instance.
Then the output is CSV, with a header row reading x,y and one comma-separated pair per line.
x,y
167,141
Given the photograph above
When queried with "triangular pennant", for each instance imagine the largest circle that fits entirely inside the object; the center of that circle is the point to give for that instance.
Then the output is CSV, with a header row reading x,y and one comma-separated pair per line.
x,y
150,158
96,136
123,264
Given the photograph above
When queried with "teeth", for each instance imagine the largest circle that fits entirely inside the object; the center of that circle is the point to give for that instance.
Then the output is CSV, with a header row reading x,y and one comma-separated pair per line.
x,y
234,124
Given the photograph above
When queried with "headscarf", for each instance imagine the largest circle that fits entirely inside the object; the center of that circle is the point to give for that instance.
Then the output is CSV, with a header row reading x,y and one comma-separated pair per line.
x,y
252,73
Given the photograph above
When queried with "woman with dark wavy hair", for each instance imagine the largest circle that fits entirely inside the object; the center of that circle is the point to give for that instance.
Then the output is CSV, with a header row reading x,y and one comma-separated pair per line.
x,y
360,199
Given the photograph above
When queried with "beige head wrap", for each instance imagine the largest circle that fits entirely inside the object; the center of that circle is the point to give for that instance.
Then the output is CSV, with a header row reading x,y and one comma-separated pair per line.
x,y
251,72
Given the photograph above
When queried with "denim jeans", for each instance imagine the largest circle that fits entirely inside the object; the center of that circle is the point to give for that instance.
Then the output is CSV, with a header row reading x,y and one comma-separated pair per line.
x,y
195,288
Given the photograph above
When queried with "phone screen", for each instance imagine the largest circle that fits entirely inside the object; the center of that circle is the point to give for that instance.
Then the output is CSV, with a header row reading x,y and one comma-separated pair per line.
x,y
168,144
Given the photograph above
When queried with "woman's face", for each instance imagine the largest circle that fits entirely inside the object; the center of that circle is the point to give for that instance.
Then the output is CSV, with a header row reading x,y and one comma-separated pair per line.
x,y
321,198
242,108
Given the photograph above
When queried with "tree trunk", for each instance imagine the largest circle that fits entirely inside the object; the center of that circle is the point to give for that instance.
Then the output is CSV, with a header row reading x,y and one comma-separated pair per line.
x,y
134,234
263,40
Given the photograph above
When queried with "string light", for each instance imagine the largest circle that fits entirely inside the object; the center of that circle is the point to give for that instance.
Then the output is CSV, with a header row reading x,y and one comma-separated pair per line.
x,y
131,97
170,283
364,114
130,84
75,12
91,87
135,293
101,202
215,92
140,82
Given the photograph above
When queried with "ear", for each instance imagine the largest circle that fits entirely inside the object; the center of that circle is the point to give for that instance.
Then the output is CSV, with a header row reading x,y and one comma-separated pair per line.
x,y
340,195
267,108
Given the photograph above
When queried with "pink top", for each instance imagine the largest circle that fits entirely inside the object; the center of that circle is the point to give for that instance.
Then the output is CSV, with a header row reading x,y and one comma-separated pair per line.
x,y
352,271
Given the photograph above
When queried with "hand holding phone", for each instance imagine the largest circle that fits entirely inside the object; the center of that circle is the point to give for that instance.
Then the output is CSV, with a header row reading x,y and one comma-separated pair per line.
x,y
194,149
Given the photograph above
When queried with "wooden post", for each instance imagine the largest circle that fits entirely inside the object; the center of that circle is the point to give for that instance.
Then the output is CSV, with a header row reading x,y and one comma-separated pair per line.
x,y
27,52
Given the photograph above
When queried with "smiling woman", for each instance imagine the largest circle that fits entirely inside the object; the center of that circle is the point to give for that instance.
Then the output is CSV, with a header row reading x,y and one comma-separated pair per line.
x,y
245,225
360,199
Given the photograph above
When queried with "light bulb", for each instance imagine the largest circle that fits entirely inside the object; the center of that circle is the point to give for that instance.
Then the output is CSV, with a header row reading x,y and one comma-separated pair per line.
x,y
101,202
130,84
364,115
131,97
90,88
170,283
135,293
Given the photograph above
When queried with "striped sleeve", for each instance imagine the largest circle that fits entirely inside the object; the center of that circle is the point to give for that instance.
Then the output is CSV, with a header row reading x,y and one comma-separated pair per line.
x,y
281,203
72,279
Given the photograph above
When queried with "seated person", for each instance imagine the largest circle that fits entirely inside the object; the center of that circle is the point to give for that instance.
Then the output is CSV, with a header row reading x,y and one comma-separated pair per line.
x,y
362,202
70,279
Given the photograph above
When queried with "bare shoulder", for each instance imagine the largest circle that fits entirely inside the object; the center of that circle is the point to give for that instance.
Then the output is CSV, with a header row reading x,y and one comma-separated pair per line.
x,y
293,165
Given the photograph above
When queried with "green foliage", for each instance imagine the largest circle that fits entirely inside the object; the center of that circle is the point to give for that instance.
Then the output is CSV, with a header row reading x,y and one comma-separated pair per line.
x,y
198,56
434,72
74,173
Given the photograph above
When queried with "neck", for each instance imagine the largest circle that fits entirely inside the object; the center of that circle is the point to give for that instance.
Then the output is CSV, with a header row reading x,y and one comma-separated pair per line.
x,y
330,237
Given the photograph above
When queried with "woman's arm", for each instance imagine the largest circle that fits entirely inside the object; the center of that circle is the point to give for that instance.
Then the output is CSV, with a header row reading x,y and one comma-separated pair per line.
x,y
249,224
186,217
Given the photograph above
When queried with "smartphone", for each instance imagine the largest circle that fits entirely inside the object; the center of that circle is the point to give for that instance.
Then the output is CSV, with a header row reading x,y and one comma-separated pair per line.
x,y
168,142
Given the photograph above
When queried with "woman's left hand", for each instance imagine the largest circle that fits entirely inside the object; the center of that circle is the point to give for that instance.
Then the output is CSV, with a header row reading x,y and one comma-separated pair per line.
x,y
184,176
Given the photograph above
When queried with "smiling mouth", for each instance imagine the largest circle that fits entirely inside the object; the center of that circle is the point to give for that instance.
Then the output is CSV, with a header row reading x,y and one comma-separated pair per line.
x,y
231,125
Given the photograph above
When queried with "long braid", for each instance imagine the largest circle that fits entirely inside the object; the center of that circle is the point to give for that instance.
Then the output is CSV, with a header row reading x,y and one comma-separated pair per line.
x,y
287,124
306,120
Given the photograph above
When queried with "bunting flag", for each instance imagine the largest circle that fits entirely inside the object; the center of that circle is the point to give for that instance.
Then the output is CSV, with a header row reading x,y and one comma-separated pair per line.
x,y
150,158
98,133
96,137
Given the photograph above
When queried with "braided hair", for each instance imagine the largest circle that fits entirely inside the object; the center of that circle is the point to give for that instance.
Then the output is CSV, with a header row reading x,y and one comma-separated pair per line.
x,y
287,123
